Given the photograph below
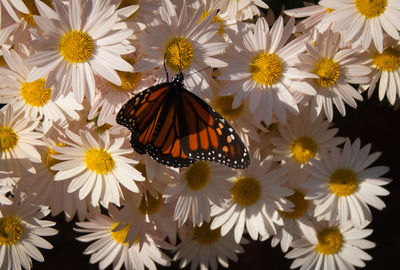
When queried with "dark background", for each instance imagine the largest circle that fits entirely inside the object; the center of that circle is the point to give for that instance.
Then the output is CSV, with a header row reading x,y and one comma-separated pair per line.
x,y
373,122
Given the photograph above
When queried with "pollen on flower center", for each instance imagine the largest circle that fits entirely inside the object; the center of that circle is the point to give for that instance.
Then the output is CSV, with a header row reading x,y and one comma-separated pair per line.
x,y
216,19
11,230
76,46
149,204
303,149
120,235
99,161
246,191
329,241
178,53
35,93
300,206
198,175
128,81
50,160
266,68
388,60
204,235
223,105
343,182
328,71
371,8
8,139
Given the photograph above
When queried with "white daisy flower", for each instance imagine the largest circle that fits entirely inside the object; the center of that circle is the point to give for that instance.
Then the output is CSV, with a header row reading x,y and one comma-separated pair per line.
x,y
331,70
4,191
33,98
343,186
96,166
110,246
196,189
18,141
240,10
259,70
79,42
364,20
203,247
21,228
11,5
301,139
334,247
183,43
385,68
256,197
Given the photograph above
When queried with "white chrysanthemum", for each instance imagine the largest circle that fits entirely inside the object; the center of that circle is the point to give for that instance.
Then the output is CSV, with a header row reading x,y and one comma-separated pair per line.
x,y
18,141
331,70
302,139
342,186
33,98
256,197
110,246
4,190
204,248
385,68
196,189
326,247
184,43
260,70
79,42
96,166
240,10
10,5
364,20
21,229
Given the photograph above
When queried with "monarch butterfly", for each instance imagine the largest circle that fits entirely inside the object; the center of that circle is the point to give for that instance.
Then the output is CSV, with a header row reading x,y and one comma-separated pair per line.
x,y
176,128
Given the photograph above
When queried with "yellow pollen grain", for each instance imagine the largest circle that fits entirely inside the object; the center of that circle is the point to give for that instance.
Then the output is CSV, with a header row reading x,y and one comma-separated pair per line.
x,y
34,93
303,149
120,235
266,68
246,191
371,8
388,60
329,10
8,139
328,71
204,235
11,230
329,241
216,19
300,206
76,46
223,105
343,182
150,205
50,160
178,53
197,175
99,161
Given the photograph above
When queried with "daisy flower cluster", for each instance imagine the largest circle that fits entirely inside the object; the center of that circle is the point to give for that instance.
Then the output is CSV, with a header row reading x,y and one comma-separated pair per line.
x,y
67,68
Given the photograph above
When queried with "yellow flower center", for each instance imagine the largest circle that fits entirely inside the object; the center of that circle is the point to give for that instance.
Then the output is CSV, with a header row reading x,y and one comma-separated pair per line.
x,y
99,161
76,46
300,206
149,204
329,241
388,60
343,182
50,161
8,139
30,4
34,93
178,53
328,71
120,236
246,191
128,81
205,236
303,149
216,19
10,230
266,68
371,8
197,175
329,10
223,105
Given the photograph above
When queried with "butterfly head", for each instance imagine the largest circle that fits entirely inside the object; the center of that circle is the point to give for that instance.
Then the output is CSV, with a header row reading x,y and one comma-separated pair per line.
x,y
178,79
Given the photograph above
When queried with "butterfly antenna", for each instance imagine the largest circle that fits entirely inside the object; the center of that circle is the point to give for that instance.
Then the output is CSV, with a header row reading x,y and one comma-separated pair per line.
x,y
198,71
165,67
